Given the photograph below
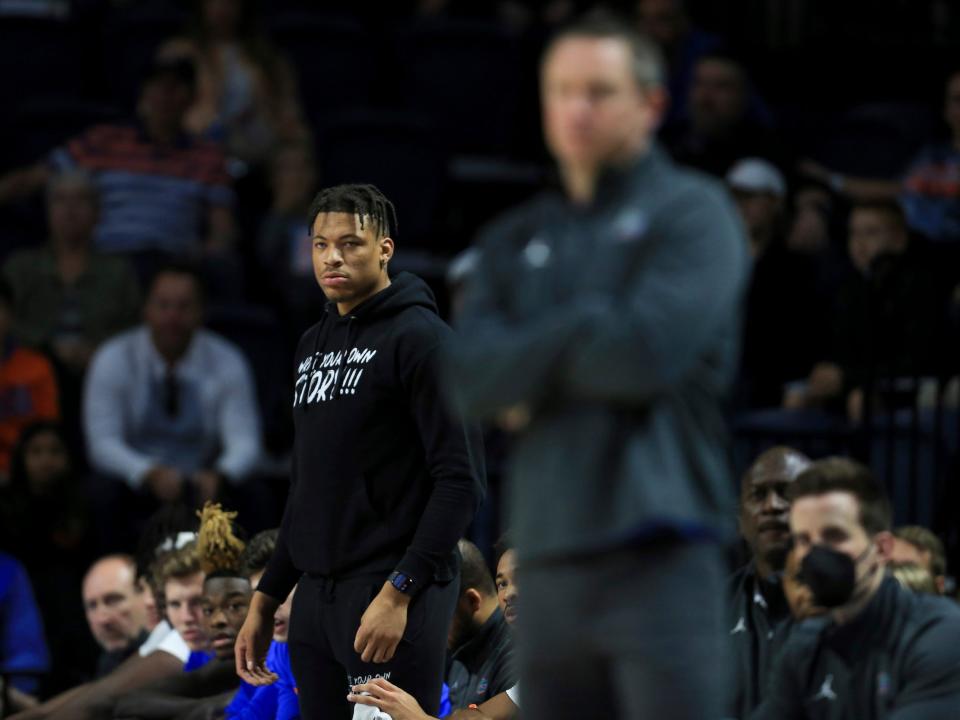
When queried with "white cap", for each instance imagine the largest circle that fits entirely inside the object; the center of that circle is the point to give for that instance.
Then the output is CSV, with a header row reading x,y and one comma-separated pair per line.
x,y
758,176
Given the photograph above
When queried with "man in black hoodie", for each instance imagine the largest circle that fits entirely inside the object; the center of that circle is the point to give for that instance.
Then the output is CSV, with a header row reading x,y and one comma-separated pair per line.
x,y
384,483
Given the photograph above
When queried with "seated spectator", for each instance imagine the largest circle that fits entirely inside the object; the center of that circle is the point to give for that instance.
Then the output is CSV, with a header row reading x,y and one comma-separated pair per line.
x,y
247,94
116,610
181,579
928,189
915,544
23,649
67,297
784,319
913,577
481,645
159,188
880,651
760,191
28,390
722,126
887,314
170,408
44,522
759,604
668,24
225,599
381,695
43,515
813,219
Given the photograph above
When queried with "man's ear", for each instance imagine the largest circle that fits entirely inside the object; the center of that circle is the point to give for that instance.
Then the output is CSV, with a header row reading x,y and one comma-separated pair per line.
x,y
473,599
386,249
884,541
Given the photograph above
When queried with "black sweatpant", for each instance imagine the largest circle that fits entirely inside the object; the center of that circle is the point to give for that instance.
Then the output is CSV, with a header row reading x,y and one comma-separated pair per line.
x,y
323,626
635,633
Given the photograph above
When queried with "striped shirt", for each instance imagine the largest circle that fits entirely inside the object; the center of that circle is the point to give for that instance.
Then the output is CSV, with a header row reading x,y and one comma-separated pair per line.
x,y
151,197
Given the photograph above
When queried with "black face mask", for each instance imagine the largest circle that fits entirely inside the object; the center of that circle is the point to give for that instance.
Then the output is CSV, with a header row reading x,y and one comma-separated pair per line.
x,y
830,575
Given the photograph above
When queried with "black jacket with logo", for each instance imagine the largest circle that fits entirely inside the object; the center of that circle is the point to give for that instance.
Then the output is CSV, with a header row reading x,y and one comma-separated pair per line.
x,y
899,659
384,477
758,610
483,666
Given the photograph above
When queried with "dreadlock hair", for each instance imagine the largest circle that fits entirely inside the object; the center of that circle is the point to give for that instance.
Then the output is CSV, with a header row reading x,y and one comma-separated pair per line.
x,y
258,551
364,201
219,548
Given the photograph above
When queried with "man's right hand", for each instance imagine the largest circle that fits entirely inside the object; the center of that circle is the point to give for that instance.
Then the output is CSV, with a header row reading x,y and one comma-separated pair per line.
x,y
164,482
253,641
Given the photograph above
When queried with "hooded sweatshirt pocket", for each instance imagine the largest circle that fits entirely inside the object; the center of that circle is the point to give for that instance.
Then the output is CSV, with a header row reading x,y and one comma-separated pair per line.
x,y
347,532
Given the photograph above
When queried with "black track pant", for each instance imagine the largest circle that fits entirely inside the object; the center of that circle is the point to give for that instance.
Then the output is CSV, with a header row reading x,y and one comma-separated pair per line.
x,y
323,626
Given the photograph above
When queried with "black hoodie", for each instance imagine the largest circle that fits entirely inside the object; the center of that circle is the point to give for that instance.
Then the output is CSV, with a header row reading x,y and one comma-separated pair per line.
x,y
384,477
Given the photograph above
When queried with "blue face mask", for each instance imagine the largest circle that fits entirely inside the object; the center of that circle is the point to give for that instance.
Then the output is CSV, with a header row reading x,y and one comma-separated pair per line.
x,y
830,575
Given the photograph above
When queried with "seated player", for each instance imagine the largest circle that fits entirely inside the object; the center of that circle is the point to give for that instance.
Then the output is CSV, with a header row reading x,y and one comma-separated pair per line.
x,y
224,603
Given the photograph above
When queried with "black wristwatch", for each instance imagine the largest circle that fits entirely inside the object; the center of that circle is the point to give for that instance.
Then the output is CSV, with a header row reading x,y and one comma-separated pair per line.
x,y
402,582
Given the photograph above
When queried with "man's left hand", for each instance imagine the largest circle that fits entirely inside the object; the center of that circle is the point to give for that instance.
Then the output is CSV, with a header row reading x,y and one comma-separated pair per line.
x,y
382,625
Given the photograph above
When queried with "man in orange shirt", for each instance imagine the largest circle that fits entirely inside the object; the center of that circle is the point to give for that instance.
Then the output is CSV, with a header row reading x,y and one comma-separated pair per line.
x,y
28,390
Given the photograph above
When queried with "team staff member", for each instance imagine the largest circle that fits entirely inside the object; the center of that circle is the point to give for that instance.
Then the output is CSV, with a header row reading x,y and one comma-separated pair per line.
x,y
882,652
385,480
759,605
605,318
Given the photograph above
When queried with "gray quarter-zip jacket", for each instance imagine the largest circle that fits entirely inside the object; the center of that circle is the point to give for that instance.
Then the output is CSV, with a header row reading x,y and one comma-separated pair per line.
x,y
617,326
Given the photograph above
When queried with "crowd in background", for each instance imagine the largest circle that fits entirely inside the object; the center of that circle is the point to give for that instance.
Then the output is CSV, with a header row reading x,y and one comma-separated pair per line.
x,y
156,270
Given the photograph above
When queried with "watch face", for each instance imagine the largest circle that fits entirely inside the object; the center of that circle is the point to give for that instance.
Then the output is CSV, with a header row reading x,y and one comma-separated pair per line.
x,y
401,582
